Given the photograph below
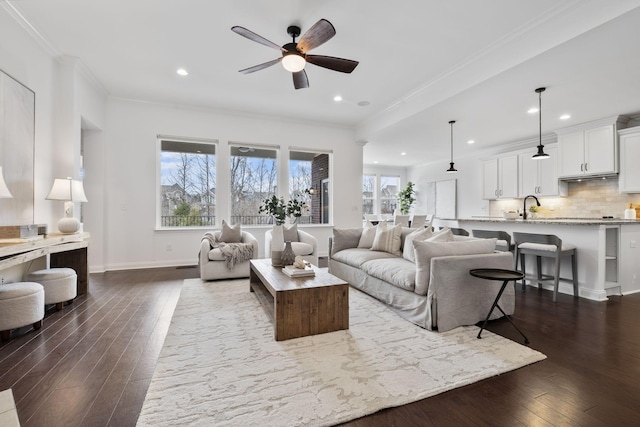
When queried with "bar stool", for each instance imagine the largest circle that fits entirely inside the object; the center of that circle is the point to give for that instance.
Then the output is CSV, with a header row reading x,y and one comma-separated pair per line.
x,y
504,239
547,246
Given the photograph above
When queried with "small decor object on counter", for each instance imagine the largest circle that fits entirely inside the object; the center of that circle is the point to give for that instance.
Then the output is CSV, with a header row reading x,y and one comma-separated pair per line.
x,y
288,256
630,213
510,215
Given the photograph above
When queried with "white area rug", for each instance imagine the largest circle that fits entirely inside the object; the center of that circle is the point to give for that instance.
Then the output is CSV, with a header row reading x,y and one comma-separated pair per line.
x,y
221,366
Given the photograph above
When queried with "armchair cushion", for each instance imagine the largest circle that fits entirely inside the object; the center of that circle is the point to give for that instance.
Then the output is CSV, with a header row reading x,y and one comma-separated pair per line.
x,y
230,234
290,234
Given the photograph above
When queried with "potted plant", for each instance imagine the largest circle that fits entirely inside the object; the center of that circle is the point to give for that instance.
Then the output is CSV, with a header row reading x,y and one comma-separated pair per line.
x,y
279,211
406,199
276,207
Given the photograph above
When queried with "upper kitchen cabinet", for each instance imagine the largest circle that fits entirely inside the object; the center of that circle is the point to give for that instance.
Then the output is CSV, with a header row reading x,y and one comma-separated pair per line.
x,y
540,177
629,181
589,149
500,177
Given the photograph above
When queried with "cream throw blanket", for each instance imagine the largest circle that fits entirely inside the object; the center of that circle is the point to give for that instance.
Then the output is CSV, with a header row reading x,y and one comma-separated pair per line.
x,y
234,253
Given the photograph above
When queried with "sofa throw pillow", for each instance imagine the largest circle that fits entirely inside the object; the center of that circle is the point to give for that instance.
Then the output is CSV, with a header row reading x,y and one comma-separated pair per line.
x,y
388,240
417,234
368,234
230,234
344,239
425,250
290,234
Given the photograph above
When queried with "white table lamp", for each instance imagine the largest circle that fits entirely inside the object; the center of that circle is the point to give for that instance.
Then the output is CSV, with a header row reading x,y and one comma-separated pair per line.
x,y
70,191
4,191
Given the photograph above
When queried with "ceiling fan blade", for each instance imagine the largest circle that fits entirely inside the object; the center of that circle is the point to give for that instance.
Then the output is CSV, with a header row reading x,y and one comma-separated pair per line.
x,y
315,36
300,80
260,66
254,37
333,63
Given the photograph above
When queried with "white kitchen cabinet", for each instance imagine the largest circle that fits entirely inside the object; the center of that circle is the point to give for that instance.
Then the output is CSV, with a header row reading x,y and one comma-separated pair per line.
x,y
500,177
540,177
629,181
589,149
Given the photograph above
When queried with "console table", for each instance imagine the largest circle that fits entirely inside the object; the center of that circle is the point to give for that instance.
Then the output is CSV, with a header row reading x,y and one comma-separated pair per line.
x,y
64,250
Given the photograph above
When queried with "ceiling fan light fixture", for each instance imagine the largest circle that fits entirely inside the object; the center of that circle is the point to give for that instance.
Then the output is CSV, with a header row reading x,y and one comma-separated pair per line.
x,y
293,62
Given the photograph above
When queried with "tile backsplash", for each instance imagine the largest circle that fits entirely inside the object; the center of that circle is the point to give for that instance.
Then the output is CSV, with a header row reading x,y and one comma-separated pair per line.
x,y
591,198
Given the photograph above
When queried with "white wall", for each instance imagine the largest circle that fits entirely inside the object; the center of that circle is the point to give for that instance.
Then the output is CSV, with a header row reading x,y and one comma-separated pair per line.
x,y
468,185
131,169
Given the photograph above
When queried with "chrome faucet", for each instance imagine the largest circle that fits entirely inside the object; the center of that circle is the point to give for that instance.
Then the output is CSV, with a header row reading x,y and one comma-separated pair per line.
x,y
524,205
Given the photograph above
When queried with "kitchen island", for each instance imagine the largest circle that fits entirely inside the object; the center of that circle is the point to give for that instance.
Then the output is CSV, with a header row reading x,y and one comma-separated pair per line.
x,y
607,249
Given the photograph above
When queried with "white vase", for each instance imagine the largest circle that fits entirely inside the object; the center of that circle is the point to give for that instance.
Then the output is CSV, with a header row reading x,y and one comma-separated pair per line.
x,y
277,245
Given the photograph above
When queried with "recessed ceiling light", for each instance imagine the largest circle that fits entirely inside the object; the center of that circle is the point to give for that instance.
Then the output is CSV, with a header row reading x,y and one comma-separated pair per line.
x,y
471,141
375,162
337,98
182,72
565,117
403,154
533,110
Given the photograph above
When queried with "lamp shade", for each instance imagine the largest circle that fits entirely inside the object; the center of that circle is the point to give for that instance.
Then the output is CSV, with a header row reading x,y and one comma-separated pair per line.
x,y
4,191
67,189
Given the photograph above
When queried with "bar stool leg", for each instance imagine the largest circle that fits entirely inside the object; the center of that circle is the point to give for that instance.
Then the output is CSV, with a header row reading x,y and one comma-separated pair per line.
x,y
574,273
524,271
556,279
539,267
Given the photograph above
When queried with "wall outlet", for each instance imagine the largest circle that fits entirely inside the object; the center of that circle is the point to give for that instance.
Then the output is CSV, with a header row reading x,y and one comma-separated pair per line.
x,y
169,247
632,243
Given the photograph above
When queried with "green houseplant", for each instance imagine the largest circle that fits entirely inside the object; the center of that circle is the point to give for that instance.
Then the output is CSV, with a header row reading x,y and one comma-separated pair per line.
x,y
276,207
406,199
279,210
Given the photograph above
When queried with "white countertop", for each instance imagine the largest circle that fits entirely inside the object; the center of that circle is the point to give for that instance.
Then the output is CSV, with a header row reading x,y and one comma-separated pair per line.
x,y
561,221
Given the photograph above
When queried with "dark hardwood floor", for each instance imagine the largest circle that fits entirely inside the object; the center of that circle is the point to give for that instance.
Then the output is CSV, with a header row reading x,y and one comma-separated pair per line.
x,y
91,363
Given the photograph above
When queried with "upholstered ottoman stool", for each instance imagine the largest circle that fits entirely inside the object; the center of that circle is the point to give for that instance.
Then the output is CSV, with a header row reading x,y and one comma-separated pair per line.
x,y
60,284
21,304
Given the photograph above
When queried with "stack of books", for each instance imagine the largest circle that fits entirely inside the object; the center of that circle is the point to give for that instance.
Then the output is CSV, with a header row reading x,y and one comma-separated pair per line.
x,y
292,271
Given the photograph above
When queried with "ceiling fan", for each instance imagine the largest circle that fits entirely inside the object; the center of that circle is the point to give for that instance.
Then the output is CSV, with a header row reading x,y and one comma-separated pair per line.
x,y
294,55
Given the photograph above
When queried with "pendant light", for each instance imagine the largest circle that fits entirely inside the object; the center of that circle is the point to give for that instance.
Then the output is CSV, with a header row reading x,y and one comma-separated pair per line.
x,y
540,154
451,168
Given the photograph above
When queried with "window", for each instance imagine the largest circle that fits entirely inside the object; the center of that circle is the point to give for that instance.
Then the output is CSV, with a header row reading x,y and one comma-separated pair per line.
x,y
368,194
187,183
254,177
389,187
309,183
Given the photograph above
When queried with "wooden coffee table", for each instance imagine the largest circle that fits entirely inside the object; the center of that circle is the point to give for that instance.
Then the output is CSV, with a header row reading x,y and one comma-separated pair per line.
x,y
300,306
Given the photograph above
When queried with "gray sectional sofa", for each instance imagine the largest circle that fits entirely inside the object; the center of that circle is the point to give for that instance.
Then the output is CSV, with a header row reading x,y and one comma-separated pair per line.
x,y
435,289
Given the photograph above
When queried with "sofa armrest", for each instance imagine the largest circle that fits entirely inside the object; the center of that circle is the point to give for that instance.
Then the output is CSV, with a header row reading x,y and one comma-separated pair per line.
x,y
458,298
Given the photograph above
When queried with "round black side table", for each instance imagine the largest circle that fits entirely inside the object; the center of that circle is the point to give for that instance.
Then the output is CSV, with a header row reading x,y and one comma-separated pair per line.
x,y
506,276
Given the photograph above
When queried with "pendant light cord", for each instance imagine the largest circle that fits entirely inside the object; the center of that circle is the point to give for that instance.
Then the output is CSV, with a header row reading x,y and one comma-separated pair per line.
x,y
540,115
451,123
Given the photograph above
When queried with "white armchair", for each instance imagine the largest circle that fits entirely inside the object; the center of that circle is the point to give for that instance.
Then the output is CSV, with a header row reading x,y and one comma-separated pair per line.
x,y
306,246
212,261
